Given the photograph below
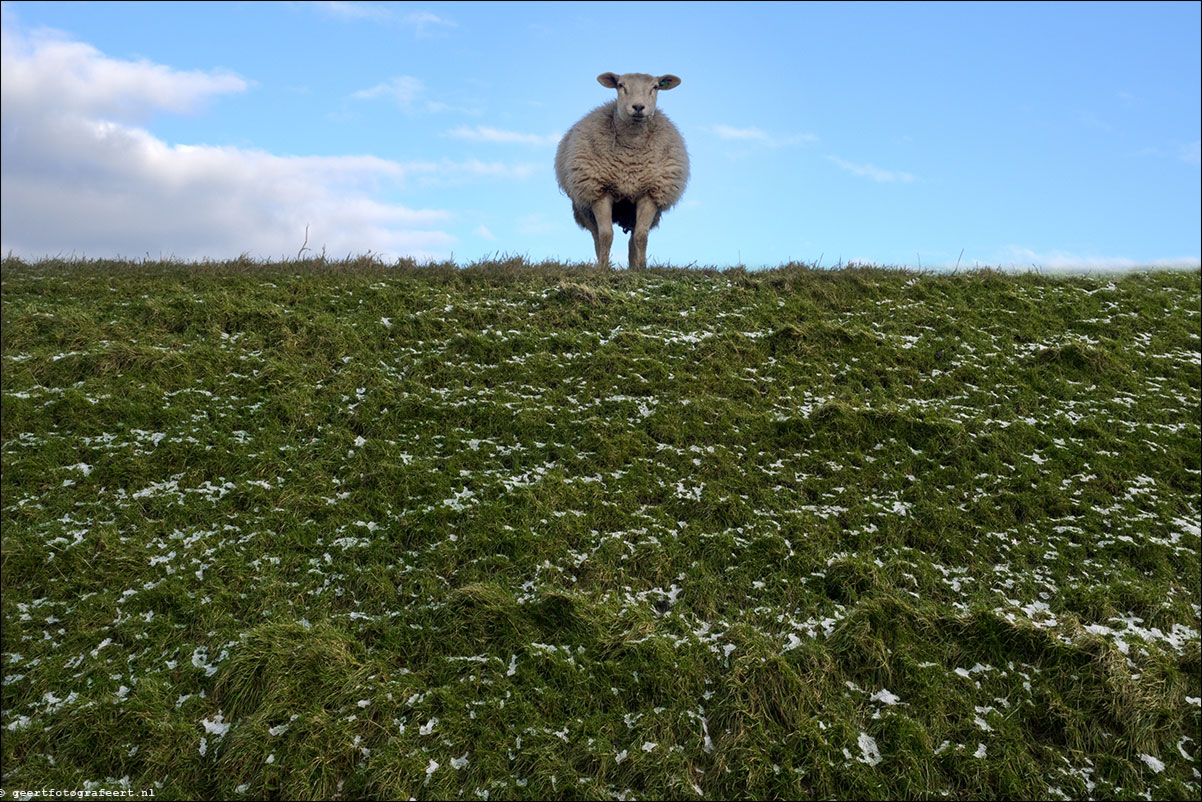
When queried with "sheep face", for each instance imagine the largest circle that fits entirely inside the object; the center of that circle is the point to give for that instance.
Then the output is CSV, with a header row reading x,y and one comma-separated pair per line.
x,y
637,93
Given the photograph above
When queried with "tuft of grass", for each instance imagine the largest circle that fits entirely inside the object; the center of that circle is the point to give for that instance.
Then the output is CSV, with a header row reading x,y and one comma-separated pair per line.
x,y
351,529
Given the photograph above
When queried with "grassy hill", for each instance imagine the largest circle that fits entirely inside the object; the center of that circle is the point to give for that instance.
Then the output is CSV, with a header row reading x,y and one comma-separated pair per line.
x,y
514,531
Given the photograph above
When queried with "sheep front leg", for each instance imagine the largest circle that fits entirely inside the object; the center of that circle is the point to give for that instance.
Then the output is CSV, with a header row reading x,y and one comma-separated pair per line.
x,y
603,237
644,215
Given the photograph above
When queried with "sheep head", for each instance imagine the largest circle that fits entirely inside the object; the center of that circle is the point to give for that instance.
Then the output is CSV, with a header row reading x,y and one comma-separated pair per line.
x,y
637,93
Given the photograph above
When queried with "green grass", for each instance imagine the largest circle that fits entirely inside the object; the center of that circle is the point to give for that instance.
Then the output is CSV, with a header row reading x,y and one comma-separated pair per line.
x,y
517,531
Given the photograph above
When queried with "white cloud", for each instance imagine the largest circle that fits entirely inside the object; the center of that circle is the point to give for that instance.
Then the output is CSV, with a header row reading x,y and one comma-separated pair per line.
x,y
760,136
1016,257
408,93
483,232
483,133
422,20
81,178
84,82
872,171
448,170
1191,153
404,90
354,11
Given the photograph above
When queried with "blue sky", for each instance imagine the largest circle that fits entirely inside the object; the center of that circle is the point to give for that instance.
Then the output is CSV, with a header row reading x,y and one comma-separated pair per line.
x,y
1056,135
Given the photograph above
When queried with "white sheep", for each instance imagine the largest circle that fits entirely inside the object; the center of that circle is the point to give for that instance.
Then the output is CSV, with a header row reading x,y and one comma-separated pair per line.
x,y
623,163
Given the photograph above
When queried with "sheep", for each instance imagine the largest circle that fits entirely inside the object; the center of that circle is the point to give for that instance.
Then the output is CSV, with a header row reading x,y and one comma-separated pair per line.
x,y
625,163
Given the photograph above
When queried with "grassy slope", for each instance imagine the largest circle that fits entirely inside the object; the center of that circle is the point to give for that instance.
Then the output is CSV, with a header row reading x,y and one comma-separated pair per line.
x,y
537,532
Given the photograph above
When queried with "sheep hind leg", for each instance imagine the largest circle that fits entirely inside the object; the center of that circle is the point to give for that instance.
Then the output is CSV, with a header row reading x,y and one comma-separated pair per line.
x,y
644,219
603,233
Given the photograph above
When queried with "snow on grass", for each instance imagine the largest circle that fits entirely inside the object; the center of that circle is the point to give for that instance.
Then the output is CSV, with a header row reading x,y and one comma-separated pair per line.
x,y
869,753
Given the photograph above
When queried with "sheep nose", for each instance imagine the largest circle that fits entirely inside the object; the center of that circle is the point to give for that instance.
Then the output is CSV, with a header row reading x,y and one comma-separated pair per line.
x,y
638,107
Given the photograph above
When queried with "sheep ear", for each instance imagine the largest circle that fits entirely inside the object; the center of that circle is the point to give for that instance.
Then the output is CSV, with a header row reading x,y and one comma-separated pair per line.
x,y
608,80
668,82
